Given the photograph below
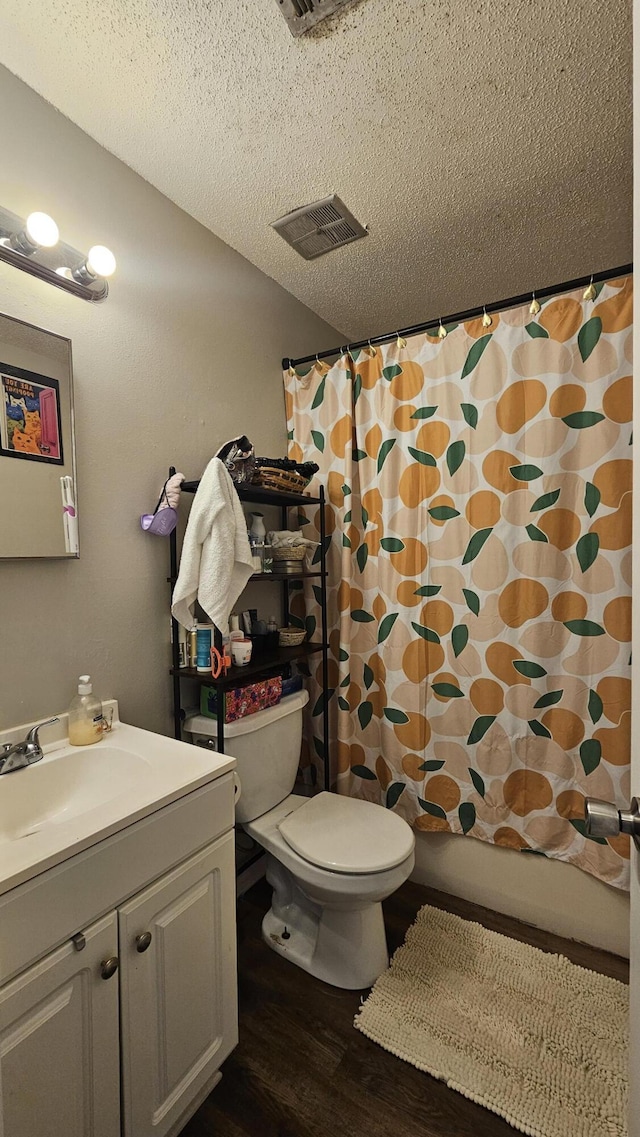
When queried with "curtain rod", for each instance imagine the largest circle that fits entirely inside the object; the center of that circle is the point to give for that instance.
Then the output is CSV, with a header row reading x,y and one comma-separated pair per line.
x,y
470,314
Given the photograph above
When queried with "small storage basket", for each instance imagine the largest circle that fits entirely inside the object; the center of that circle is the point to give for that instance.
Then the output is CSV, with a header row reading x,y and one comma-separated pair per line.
x,y
283,481
288,552
291,637
283,474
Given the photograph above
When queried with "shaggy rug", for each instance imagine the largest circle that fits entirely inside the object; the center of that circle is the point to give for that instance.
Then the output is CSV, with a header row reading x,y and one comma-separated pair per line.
x,y
529,1035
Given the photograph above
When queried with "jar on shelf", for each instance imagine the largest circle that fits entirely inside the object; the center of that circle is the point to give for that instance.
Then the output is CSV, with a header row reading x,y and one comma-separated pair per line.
x,y
256,554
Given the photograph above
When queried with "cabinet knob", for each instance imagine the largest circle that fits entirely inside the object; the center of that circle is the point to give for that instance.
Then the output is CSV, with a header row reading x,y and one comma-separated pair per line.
x,y
143,941
109,966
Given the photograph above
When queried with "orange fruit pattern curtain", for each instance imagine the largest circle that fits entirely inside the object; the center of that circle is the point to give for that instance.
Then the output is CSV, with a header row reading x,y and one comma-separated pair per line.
x,y
479,514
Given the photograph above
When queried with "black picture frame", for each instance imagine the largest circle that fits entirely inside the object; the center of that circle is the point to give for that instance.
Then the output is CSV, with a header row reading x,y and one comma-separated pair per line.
x,y
20,390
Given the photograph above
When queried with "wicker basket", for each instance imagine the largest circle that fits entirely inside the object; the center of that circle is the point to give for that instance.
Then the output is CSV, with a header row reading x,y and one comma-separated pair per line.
x,y
284,481
288,552
291,637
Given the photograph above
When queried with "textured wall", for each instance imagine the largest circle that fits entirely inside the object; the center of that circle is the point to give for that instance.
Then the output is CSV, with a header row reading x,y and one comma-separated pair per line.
x,y
487,145
184,354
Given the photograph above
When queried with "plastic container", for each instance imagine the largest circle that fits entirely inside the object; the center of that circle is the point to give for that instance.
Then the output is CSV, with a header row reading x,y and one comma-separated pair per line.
x,y
204,643
85,715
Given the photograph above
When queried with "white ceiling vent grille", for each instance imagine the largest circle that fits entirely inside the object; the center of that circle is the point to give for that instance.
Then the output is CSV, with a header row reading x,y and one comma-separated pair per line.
x,y
301,15
316,229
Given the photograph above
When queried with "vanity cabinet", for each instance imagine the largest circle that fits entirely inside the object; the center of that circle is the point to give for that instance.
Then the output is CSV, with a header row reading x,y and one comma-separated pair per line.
x,y
178,994
59,1043
121,1029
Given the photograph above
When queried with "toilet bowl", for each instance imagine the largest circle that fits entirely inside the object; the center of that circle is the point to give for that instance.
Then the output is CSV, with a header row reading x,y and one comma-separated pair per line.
x,y
331,860
329,920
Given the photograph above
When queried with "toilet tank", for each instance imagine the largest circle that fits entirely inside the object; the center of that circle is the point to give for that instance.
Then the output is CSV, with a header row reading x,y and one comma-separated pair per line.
x,y
266,746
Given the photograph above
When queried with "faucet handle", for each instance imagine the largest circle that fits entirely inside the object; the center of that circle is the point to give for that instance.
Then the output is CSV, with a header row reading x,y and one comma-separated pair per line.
x,y
33,733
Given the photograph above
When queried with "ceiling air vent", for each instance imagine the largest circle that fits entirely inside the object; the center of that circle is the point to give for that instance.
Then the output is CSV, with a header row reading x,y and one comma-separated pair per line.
x,y
316,229
302,15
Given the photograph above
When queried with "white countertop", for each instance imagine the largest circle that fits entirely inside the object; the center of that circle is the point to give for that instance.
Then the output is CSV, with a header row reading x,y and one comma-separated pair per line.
x,y
76,796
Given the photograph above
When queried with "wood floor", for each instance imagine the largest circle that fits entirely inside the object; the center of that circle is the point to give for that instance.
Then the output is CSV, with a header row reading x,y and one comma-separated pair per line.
x,y
302,1070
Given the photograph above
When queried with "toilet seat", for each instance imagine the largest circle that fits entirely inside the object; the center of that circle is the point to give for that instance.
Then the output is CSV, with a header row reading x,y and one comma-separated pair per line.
x,y
347,835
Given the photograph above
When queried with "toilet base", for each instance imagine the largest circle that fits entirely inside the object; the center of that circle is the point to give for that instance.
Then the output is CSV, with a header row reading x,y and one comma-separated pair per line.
x,y
344,947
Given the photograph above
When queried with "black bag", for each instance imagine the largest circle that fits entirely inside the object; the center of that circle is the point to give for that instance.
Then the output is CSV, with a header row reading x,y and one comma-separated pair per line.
x,y
239,458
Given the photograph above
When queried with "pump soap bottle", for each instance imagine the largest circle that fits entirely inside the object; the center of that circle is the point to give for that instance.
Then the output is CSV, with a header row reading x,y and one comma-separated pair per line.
x,y
85,715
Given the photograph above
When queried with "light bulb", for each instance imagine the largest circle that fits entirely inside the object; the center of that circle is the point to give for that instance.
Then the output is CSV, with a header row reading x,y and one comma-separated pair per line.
x,y
42,230
101,261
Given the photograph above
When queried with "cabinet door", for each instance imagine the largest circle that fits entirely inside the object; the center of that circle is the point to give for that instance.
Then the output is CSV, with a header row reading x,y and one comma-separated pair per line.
x,y
179,998
59,1044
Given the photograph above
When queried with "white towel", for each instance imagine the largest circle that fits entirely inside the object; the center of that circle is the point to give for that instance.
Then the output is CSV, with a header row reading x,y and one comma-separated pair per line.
x,y
216,556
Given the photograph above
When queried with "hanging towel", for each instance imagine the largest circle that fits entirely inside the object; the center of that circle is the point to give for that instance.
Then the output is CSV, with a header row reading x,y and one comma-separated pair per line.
x,y
216,556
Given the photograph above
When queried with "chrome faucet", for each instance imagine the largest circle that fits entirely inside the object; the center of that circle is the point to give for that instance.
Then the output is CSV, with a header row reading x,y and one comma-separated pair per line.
x,y
16,755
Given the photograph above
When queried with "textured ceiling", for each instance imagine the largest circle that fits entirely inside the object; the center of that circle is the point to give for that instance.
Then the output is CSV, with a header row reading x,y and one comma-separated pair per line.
x,y
485,144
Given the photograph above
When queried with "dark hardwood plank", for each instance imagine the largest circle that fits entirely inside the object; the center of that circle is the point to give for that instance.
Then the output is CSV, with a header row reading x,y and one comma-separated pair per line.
x,y
302,1070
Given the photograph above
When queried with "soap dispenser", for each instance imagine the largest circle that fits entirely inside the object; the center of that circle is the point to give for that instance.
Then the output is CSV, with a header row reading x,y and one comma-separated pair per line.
x,y
85,715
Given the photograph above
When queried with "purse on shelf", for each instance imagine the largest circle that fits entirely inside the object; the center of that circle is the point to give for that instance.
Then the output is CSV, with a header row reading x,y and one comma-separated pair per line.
x,y
239,457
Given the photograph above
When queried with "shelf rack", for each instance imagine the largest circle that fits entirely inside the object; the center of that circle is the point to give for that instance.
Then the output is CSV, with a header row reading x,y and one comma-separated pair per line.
x,y
268,660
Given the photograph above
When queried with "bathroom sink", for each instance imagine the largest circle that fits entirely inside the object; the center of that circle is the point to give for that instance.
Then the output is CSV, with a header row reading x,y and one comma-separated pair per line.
x,y
68,783
77,796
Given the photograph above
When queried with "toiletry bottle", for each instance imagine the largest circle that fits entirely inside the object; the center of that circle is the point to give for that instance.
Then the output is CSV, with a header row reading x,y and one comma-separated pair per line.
x,y
85,715
204,642
235,632
192,647
272,633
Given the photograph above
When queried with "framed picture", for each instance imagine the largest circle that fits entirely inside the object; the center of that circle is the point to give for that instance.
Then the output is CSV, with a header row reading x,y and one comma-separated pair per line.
x,y
30,423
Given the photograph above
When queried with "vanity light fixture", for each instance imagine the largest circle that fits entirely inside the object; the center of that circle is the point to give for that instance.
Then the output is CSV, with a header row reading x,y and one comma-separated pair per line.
x,y
40,231
100,262
34,246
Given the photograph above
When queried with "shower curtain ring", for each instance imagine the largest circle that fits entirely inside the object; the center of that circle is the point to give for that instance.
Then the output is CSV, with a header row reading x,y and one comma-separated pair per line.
x,y
486,319
442,331
400,341
534,307
590,291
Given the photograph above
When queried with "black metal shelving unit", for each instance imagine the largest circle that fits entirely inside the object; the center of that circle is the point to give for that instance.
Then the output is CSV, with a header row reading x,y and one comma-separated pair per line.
x,y
267,661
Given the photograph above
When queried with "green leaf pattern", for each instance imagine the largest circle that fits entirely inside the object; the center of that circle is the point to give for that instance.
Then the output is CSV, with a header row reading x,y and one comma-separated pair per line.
x,y
475,355
473,600
588,336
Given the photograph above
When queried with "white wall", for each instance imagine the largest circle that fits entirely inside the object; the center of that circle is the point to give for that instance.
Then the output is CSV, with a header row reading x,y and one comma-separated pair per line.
x,y
547,893
184,354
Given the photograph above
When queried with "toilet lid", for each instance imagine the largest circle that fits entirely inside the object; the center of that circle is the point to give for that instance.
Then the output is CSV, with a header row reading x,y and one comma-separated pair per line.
x,y
347,835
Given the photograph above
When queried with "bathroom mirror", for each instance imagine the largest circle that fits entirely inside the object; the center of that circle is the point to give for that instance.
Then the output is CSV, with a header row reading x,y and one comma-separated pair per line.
x,y
38,490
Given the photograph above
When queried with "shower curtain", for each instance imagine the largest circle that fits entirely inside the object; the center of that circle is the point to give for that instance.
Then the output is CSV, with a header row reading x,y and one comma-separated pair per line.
x,y
479,533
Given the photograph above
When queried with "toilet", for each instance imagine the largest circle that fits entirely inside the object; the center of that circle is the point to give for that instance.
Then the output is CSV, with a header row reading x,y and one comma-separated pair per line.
x,y
331,860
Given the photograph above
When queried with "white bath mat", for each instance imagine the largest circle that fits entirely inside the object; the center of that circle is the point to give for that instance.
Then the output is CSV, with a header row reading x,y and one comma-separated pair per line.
x,y
529,1035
